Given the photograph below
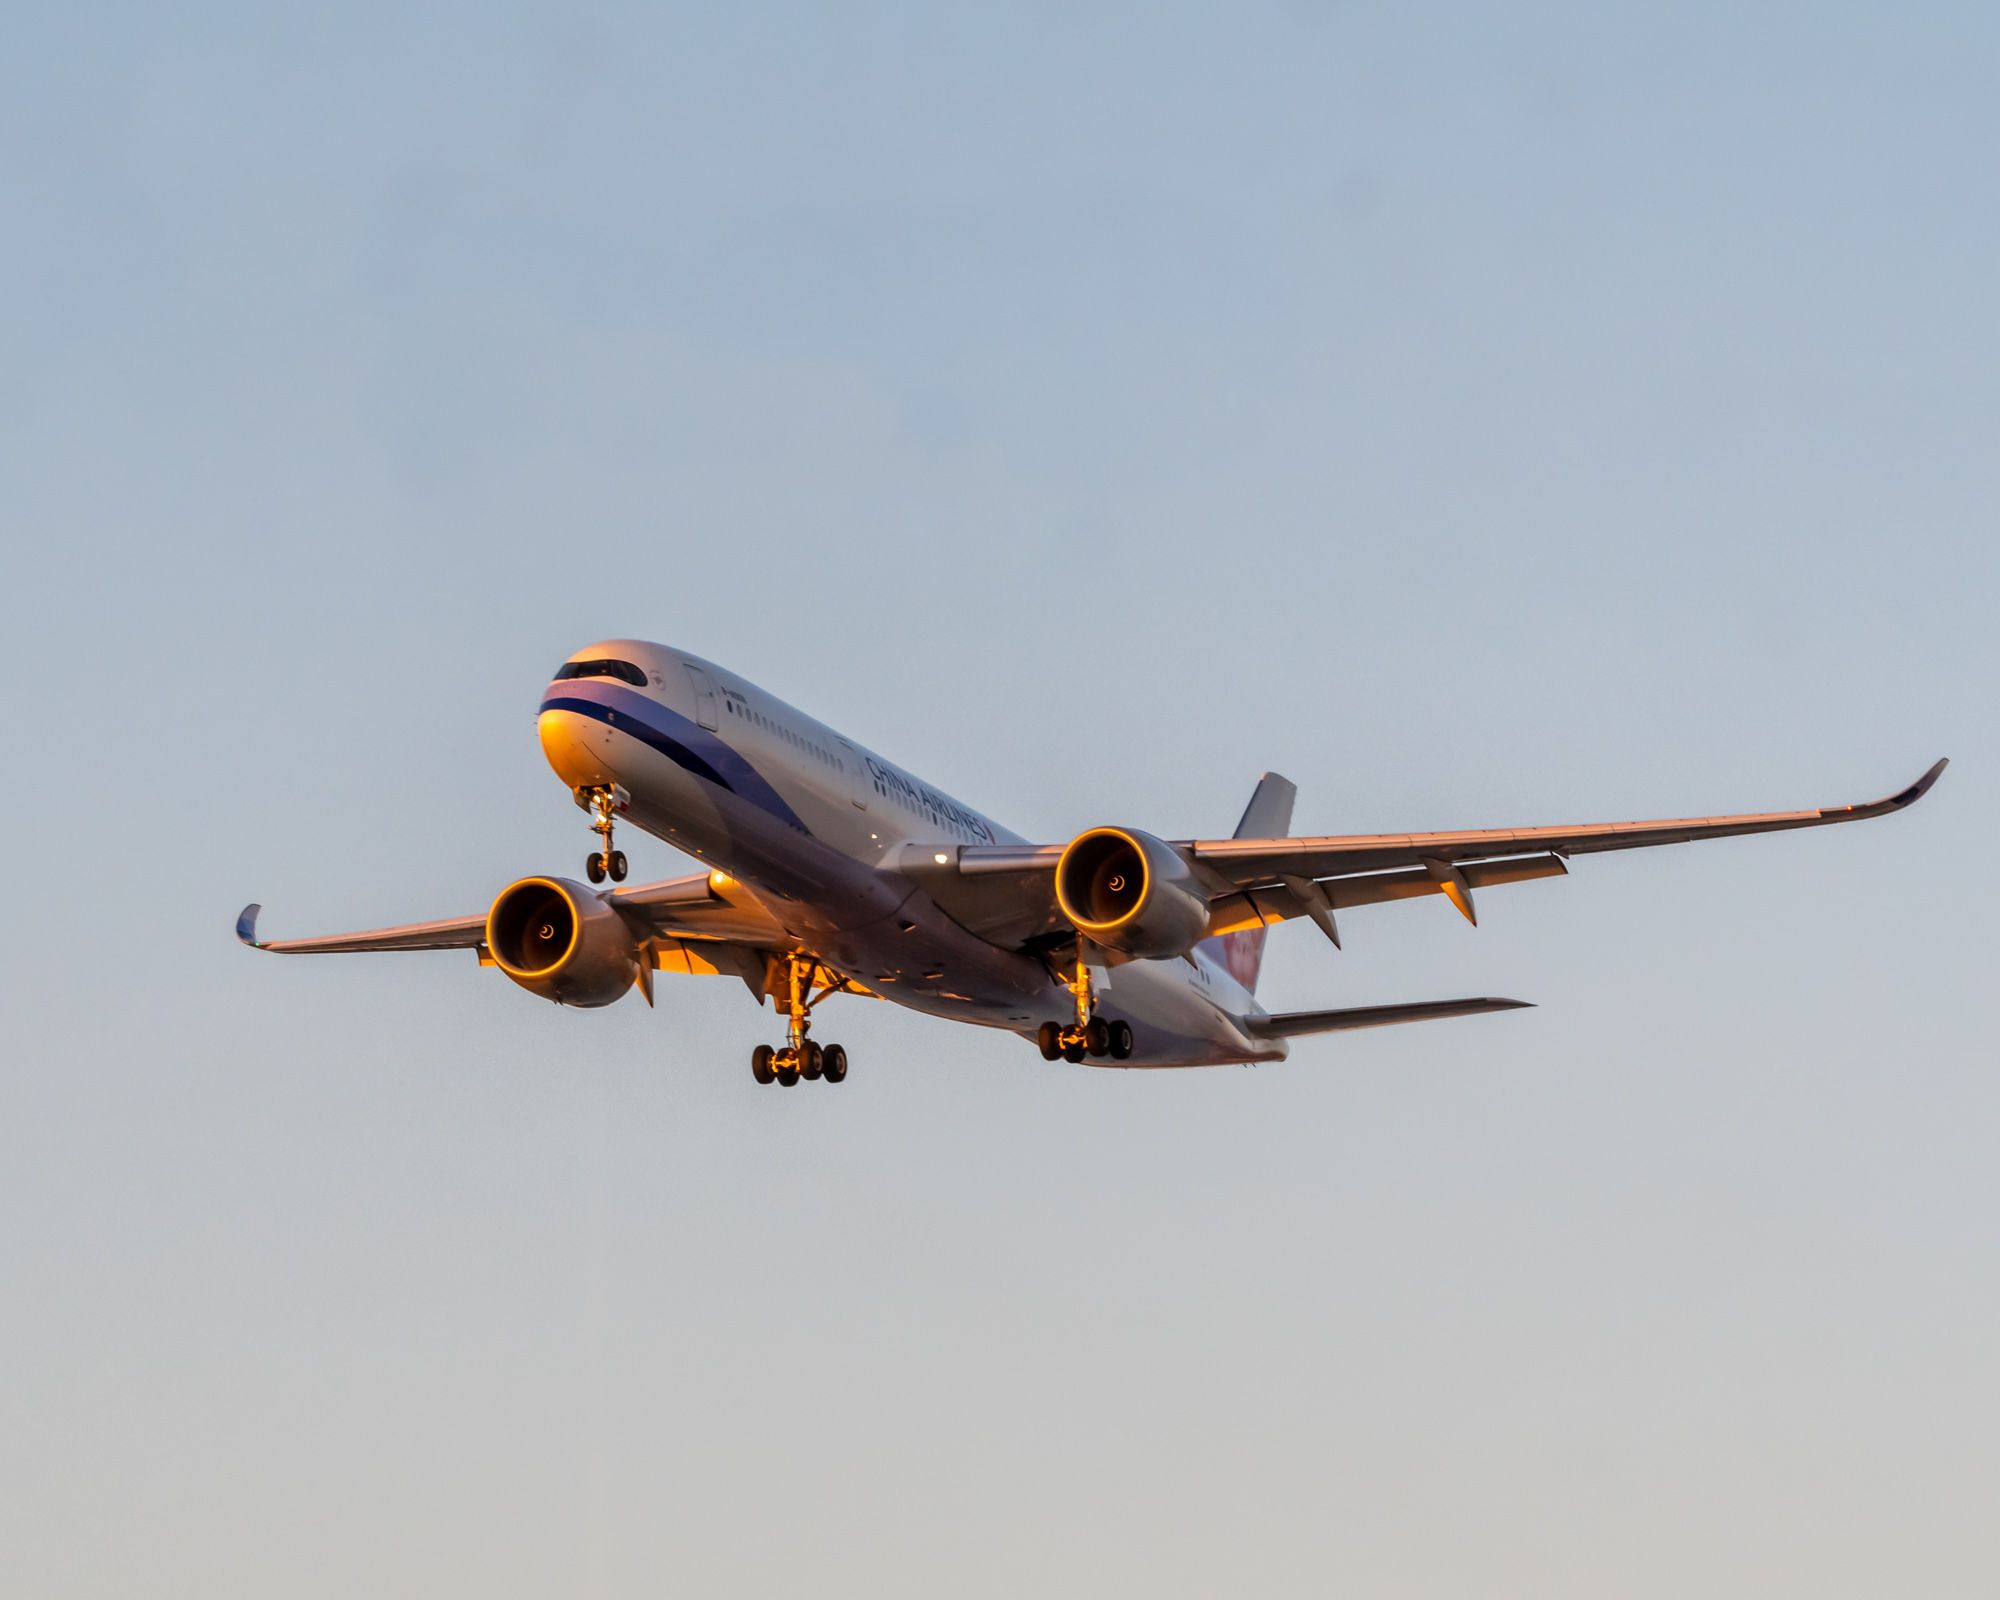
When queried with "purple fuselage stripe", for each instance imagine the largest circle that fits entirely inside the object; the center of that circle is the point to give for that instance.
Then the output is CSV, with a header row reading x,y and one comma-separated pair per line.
x,y
686,743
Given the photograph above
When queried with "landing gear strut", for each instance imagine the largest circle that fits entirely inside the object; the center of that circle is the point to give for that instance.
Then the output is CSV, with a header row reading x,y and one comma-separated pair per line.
x,y
799,1057
602,804
1090,1034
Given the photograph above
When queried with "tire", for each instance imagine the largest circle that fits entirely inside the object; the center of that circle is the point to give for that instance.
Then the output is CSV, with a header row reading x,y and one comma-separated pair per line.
x,y
833,1064
760,1063
1121,1041
618,867
1073,1053
788,1077
593,867
1048,1040
1097,1036
814,1062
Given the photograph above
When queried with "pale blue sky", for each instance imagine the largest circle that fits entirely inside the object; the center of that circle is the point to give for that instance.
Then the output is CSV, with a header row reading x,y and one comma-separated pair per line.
x,y
1482,415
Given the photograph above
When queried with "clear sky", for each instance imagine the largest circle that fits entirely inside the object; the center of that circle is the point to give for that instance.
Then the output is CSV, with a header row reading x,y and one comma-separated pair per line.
x,y
1482,415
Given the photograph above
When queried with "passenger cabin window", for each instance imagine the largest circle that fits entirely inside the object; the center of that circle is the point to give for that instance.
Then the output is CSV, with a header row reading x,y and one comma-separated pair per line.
x,y
623,670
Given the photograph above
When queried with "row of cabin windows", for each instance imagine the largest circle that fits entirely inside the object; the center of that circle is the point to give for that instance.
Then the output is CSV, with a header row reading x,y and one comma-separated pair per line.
x,y
821,753
796,740
936,818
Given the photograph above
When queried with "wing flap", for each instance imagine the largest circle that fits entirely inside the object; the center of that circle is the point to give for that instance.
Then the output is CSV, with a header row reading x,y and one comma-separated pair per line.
x,y
706,905
1281,902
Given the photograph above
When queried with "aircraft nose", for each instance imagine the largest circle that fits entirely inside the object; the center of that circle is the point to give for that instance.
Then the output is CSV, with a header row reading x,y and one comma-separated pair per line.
x,y
575,746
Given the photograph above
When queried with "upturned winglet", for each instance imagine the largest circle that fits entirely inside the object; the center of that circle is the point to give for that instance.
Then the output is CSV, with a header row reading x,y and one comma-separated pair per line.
x,y
246,925
1920,788
1895,802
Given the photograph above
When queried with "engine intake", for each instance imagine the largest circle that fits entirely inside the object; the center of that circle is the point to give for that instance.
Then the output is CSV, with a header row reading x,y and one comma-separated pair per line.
x,y
557,939
1131,893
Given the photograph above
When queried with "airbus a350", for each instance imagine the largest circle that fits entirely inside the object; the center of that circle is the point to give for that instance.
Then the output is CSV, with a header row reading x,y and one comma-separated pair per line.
x,y
833,871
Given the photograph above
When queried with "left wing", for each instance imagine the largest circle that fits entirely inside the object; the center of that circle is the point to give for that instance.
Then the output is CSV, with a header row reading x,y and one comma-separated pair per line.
x,y
1246,863
1007,891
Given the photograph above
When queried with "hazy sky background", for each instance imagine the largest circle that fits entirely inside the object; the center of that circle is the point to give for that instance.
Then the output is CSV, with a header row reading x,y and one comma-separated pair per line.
x,y
1482,415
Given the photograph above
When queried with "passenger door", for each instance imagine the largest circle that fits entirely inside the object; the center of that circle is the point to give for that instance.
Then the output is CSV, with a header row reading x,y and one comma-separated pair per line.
x,y
858,781
705,708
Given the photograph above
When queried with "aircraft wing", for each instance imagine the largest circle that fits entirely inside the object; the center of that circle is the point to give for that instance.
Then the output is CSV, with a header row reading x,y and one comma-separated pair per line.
x,y
1246,863
1007,891
696,907
451,933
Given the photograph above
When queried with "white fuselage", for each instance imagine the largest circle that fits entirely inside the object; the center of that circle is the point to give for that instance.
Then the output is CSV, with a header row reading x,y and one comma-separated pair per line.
x,y
822,830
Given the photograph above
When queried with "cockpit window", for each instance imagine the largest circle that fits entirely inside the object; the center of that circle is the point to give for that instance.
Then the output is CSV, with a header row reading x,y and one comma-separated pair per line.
x,y
602,669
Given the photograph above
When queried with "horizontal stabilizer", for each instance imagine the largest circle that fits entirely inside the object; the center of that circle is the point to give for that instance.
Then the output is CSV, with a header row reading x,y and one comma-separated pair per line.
x,y
1291,1024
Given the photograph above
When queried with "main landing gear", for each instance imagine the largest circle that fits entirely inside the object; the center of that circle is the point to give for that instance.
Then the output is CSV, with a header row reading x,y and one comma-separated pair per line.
x,y
603,807
799,1057
1090,1034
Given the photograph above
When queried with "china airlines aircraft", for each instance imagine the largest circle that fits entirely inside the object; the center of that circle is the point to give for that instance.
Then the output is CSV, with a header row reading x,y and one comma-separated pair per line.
x,y
833,871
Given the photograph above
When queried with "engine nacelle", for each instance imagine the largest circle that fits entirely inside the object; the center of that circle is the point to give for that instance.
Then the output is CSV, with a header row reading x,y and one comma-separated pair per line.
x,y
1131,892
557,939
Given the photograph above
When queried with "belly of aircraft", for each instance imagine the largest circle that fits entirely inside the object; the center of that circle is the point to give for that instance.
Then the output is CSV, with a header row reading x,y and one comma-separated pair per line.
x,y
877,929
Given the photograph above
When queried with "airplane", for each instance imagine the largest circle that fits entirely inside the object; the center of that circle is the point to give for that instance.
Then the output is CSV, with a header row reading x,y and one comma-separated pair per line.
x,y
833,871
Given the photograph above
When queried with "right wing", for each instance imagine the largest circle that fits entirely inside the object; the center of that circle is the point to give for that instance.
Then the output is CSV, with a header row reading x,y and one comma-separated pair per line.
x,y
452,933
691,907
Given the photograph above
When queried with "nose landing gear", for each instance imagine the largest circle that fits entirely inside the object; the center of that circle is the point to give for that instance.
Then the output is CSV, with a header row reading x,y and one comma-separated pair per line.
x,y
1090,1034
603,805
799,1057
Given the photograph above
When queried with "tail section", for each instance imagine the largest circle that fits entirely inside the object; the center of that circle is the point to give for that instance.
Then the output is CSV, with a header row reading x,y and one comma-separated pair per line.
x,y
1294,1024
1267,816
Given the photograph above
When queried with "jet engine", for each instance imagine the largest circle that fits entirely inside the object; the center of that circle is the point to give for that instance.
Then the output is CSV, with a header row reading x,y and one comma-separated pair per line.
x,y
557,939
1131,893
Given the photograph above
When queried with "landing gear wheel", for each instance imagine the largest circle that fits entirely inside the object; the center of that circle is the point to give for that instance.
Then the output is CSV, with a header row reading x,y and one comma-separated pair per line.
x,y
788,1075
760,1063
833,1063
1097,1037
1048,1040
1073,1052
603,805
1121,1041
813,1060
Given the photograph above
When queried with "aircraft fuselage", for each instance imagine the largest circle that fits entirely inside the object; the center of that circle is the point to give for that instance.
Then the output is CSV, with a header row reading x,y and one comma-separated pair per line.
x,y
821,829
